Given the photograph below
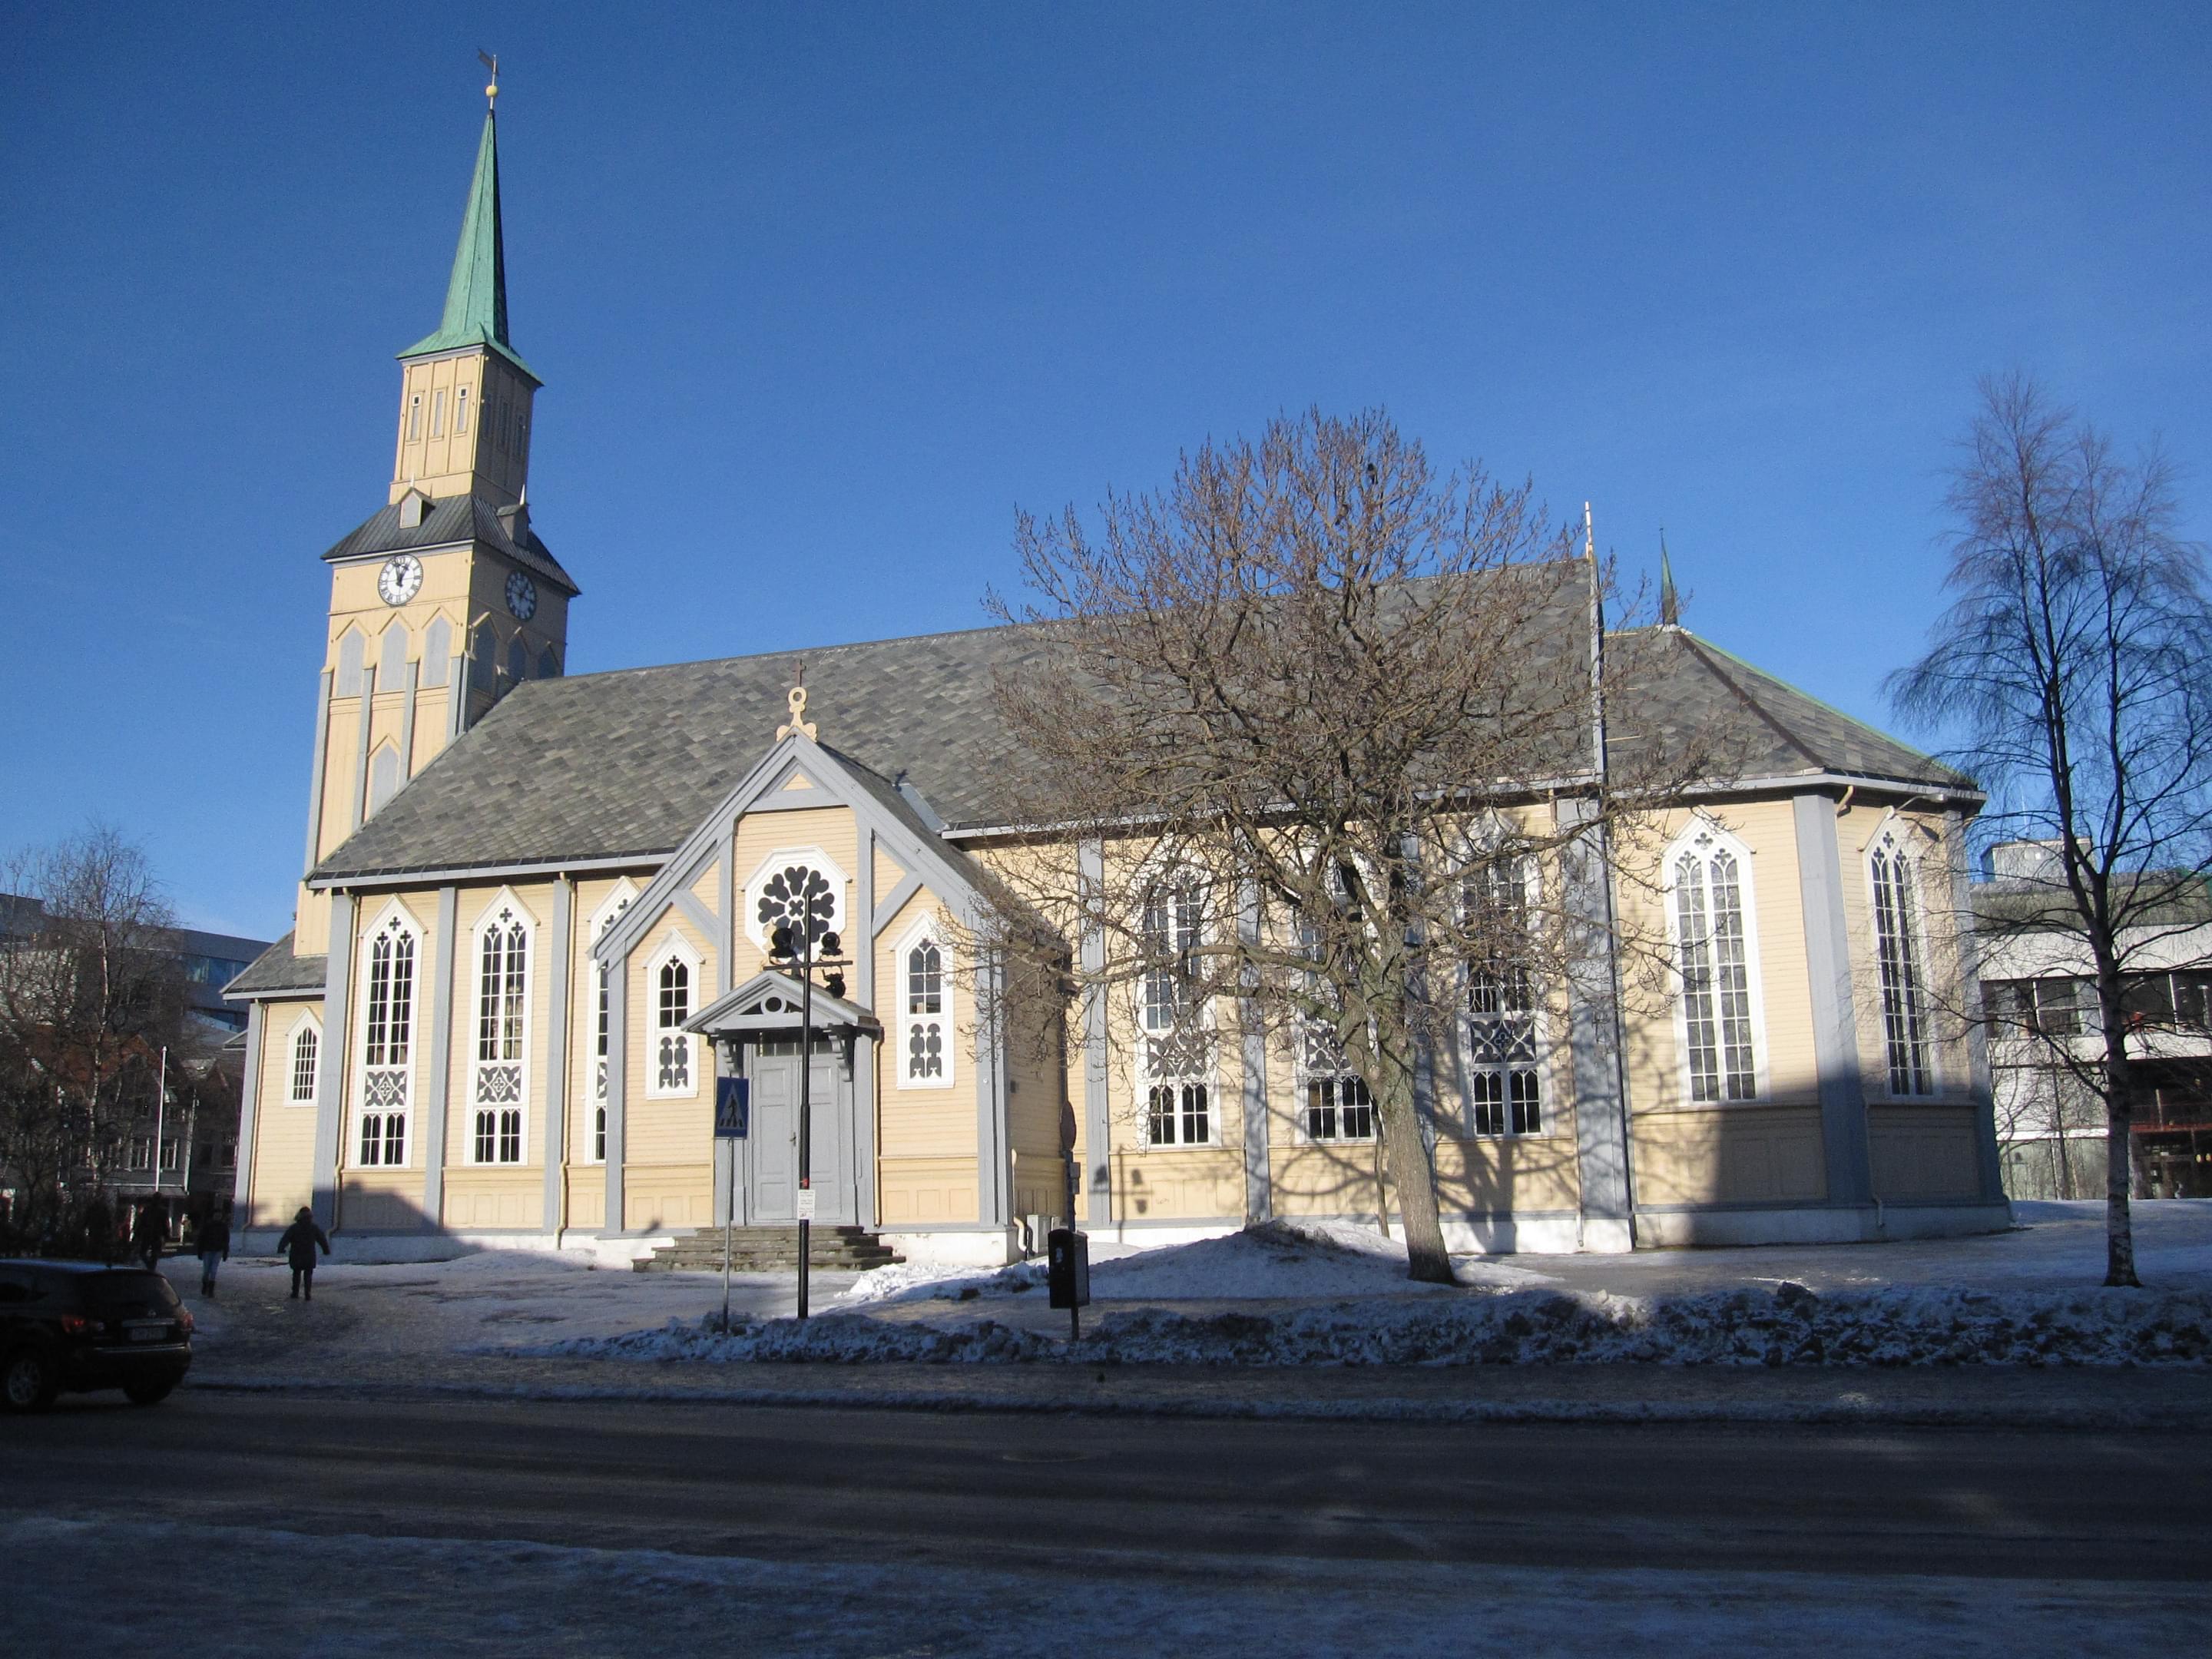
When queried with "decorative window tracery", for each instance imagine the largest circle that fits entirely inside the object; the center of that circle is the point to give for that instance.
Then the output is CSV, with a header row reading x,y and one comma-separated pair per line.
x,y
502,1004
1904,975
1503,1079
926,1045
388,1044
1713,947
673,1072
1177,1049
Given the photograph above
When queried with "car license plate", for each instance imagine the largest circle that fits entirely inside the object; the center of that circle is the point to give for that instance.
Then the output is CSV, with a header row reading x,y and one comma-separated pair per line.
x,y
148,1334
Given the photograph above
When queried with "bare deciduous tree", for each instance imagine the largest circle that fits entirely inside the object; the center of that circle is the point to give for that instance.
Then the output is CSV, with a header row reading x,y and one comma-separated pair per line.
x,y
2071,665
91,990
1312,735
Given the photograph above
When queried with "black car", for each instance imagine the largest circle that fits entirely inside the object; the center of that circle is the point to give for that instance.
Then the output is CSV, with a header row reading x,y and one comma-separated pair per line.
x,y
79,1326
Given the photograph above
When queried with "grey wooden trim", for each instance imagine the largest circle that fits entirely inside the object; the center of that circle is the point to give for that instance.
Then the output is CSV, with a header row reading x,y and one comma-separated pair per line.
x,y
561,959
407,723
1978,1037
725,902
698,915
393,880
1594,1019
795,800
336,1060
1258,1172
617,1087
993,1197
863,903
1835,1020
361,748
249,1117
906,847
315,782
863,1137
437,1098
1097,1132
456,688
884,914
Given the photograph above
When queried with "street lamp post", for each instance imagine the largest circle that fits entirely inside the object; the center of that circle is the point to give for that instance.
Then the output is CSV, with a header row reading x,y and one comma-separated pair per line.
x,y
796,947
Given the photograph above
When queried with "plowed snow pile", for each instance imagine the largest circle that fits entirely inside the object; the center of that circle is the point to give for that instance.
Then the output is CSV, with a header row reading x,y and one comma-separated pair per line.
x,y
1382,1320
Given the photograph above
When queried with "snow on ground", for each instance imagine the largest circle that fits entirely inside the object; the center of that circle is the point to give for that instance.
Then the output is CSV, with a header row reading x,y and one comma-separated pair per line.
x,y
1786,1326
348,1596
1289,1293
491,1298
1280,1258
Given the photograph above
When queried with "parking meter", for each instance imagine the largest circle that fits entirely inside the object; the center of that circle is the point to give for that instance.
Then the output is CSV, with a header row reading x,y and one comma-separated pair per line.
x,y
1067,1273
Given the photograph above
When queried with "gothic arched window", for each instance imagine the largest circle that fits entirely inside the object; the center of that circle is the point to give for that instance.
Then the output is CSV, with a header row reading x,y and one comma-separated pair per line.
x,y
1904,975
672,1045
503,1000
387,1043
306,1045
1712,945
925,1010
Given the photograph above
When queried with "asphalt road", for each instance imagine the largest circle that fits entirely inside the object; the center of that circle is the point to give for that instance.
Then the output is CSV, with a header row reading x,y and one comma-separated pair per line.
x,y
799,1484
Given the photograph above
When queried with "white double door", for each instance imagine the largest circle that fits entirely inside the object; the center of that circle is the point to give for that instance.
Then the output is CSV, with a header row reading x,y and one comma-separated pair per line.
x,y
772,1145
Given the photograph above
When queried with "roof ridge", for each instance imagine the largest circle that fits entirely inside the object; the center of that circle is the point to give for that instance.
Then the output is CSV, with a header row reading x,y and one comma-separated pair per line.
x,y
798,651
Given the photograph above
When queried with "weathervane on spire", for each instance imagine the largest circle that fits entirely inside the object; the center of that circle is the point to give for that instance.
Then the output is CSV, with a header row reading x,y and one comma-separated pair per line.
x,y
490,61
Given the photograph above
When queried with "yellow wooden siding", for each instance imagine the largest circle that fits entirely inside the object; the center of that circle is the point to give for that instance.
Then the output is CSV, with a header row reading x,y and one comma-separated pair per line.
x,y
1923,1151
283,1133
1745,1154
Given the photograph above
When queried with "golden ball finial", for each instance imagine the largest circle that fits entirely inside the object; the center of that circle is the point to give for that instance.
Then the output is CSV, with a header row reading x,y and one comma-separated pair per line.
x,y
492,91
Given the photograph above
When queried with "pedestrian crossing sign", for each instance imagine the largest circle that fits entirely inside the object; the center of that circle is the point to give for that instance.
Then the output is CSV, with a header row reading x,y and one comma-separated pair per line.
x,y
733,1108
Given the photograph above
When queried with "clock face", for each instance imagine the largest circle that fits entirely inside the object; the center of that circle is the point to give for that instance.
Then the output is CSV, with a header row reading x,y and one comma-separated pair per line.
x,y
401,579
521,596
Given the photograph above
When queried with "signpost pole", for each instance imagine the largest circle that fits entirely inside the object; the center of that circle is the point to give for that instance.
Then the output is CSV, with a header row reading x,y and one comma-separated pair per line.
x,y
729,1220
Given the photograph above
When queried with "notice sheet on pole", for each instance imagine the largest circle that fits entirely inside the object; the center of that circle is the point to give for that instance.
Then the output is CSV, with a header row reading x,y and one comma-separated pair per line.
x,y
806,1204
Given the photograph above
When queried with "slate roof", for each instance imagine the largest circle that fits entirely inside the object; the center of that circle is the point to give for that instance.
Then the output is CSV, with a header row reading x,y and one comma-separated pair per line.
x,y
455,519
627,765
1774,729
277,970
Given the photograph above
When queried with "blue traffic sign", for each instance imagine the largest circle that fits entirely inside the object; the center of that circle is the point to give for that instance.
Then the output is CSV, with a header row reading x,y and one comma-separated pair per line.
x,y
733,1108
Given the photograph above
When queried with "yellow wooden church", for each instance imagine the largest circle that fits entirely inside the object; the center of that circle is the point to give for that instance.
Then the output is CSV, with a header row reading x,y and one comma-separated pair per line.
x,y
533,924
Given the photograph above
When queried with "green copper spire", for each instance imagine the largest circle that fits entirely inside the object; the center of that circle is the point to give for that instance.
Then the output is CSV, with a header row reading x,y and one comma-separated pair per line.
x,y
476,298
1671,603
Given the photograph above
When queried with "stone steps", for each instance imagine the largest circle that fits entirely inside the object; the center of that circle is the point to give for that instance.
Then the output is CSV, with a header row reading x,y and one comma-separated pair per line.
x,y
771,1250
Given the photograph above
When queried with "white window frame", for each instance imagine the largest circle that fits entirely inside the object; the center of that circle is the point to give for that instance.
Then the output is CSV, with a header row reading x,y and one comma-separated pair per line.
x,y
1704,828
388,1081
306,1025
606,1041
499,1087
1194,1024
1907,863
1537,1063
674,948
928,931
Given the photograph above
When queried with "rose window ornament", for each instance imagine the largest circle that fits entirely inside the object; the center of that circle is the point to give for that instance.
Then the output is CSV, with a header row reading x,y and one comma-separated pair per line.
x,y
797,897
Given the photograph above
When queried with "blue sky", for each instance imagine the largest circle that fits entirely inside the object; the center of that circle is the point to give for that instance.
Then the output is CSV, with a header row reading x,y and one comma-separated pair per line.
x,y
821,294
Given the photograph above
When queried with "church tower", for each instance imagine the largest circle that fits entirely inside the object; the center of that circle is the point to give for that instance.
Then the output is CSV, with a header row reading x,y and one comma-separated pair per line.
x,y
446,599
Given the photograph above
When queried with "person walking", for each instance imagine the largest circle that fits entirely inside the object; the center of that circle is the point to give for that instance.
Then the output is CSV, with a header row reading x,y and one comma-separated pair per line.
x,y
152,1233
298,1244
214,1242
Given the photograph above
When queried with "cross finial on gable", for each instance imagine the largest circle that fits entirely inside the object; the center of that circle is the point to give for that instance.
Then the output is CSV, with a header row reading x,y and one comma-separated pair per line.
x,y
798,722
